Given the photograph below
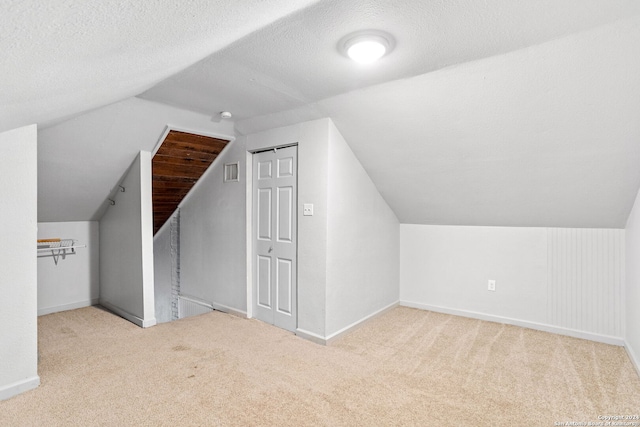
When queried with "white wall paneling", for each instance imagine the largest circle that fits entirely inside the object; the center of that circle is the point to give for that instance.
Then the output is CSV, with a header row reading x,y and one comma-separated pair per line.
x,y
126,247
559,280
18,281
74,281
189,306
585,280
165,270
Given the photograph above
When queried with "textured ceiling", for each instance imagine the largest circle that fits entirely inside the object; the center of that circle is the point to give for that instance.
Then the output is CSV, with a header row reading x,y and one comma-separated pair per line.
x,y
60,58
294,61
544,136
82,159
486,113
498,112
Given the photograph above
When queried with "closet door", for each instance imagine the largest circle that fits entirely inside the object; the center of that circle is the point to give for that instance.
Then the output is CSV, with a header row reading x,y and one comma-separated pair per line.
x,y
275,237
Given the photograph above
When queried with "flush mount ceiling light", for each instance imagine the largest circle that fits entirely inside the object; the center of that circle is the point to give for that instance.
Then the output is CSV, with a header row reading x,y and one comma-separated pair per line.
x,y
366,46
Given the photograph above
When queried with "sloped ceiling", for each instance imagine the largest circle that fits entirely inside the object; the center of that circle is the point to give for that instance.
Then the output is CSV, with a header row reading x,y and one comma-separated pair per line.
x,y
294,61
497,112
82,159
487,113
177,165
545,136
61,58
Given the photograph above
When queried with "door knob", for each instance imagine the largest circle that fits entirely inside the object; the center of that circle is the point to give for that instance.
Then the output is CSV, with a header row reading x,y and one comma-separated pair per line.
x,y
271,249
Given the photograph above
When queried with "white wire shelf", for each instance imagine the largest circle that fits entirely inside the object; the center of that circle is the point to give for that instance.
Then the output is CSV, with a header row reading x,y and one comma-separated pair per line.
x,y
58,250
62,248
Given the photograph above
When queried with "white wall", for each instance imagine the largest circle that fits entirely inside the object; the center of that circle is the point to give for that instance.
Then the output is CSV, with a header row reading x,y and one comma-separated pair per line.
x,y
568,281
213,227
213,233
162,272
213,236
585,279
74,282
632,288
363,242
106,140
126,247
348,262
18,281
313,154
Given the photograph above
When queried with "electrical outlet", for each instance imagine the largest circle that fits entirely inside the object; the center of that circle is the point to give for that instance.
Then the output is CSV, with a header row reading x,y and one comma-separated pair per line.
x,y
491,285
307,209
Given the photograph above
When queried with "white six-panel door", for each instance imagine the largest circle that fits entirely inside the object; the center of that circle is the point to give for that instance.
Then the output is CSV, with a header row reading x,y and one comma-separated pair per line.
x,y
274,240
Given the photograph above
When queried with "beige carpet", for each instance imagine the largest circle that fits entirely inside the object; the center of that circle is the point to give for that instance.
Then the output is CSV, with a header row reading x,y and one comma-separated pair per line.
x,y
407,367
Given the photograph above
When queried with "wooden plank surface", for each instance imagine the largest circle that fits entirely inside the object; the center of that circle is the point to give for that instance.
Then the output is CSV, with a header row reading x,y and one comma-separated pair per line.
x,y
177,165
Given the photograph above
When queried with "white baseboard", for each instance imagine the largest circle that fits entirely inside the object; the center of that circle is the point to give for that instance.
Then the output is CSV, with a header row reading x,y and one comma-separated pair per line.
x,y
634,359
10,390
606,339
310,336
143,323
318,339
65,307
355,325
229,310
216,306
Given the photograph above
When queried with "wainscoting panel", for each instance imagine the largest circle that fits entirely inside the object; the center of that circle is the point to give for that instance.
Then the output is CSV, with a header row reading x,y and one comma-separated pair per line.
x,y
188,306
585,280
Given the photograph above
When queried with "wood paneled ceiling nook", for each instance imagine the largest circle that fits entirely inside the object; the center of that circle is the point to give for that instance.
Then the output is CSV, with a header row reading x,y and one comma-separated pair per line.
x,y
177,165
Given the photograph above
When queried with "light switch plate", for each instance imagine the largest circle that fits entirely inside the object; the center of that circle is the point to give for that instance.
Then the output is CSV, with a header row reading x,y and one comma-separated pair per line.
x,y
307,209
491,286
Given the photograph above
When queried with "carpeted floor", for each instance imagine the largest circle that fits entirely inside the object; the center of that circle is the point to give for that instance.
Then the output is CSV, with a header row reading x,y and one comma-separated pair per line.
x,y
407,367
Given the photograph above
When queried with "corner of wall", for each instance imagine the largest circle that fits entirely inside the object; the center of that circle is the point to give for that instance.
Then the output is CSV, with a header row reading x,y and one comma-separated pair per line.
x,y
10,390
635,361
362,244
126,247
73,282
632,284
146,238
19,279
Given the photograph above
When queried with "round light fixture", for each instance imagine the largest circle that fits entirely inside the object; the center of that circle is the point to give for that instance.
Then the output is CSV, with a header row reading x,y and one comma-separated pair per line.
x,y
225,115
366,46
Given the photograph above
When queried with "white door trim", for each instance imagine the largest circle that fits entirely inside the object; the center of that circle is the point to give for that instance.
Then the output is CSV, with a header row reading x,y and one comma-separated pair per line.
x,y
249,226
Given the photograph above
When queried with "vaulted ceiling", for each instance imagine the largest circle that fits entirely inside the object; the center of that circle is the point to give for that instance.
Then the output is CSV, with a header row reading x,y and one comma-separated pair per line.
x,y
500,112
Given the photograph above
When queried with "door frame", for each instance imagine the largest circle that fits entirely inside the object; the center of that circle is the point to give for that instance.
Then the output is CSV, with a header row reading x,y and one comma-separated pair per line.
x,y
249,222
